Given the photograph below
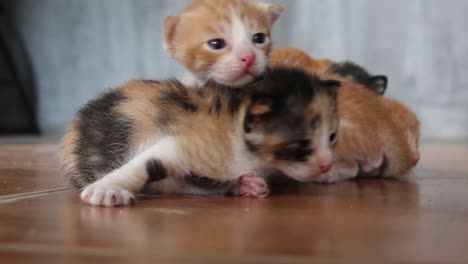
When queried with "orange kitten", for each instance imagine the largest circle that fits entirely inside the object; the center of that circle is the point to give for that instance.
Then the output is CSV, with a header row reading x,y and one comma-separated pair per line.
x,y
226,41
375,133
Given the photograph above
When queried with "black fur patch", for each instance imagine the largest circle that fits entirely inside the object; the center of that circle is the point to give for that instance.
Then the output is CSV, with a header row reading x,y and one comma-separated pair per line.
x,y
224,94
156,170
164,122
152,82
251,146
206,182
377,84
298,151
178,97
217,105
104,136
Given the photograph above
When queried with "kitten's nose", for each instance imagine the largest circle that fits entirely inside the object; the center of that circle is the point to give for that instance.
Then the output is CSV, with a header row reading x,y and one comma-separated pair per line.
x,y
248,58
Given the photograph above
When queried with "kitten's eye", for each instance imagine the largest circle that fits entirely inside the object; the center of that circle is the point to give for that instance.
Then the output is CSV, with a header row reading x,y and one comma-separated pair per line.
x,y
333,137
259,38
217,44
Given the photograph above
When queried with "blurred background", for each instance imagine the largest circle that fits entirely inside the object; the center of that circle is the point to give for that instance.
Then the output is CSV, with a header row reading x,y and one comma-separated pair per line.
x,y
75,49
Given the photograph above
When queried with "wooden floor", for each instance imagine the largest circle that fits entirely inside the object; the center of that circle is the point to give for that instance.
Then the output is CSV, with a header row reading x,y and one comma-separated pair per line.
x,y
424,219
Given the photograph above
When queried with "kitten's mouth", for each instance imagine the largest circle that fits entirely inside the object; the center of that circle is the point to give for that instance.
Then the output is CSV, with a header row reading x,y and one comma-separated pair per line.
x,y
241,78
248,72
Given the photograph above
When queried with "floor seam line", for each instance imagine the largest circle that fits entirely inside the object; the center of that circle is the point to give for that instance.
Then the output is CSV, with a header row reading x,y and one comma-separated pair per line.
x,y
23,196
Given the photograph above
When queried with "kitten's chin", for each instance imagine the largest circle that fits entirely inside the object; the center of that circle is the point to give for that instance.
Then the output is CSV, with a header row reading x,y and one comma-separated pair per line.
x,y
246,79
237,80
301,173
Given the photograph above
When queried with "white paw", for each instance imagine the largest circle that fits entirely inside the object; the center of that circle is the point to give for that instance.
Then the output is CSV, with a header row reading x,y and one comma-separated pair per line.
x,y
249,186
107,196
327,178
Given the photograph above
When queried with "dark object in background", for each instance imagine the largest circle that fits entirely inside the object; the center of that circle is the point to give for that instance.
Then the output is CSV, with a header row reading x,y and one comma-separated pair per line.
x,y
18,99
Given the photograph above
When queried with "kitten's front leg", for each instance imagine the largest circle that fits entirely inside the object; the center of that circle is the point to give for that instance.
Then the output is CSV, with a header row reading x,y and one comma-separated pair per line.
x,y
118,188
251,185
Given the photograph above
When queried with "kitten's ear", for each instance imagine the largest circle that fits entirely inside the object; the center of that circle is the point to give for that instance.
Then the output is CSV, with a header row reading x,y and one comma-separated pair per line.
x,y
168,34
261,106
379,84
273,10
256,113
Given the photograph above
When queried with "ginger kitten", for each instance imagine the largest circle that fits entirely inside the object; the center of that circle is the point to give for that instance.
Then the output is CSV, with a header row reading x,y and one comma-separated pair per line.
x,y
162,137
376,134
225,41
347,71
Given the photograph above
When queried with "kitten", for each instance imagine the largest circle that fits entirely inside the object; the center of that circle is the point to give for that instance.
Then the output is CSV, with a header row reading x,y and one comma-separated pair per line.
x,y
357,74
406,121
159,135
225,41
343,71
376,134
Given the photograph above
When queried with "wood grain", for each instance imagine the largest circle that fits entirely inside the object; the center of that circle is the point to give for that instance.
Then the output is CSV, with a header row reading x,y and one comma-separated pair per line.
x,y
28,167
422,219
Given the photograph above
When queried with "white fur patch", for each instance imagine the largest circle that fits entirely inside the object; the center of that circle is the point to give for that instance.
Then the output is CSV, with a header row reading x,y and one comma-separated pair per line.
x,y
346,123
244,162
240,32
132,176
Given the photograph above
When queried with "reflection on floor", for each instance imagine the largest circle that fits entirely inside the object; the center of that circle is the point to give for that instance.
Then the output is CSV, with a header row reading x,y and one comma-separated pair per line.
x,y
422,219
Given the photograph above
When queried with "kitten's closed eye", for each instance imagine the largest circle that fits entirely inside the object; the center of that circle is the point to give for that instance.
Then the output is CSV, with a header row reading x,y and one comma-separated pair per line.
x,y
296,151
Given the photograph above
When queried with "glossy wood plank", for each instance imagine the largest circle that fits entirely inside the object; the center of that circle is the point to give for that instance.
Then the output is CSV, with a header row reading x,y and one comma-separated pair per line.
x,y
356,220
57,256
28,167
423,219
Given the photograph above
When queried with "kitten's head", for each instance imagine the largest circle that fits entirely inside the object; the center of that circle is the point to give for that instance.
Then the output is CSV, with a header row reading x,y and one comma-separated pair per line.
x,y
357,74
226,41
291,122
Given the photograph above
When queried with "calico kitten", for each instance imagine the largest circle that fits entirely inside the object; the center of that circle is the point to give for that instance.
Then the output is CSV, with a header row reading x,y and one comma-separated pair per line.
x,y
225,41
376,134
159,135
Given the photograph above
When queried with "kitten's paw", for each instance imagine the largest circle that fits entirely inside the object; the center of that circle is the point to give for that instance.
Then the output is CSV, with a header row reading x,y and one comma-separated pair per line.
x,y
373,165
249,186
338,173
107,196
327,178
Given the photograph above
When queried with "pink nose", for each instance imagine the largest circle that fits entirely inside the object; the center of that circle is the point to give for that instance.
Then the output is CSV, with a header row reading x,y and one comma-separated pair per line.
x,y
415,159
248,59
325,167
